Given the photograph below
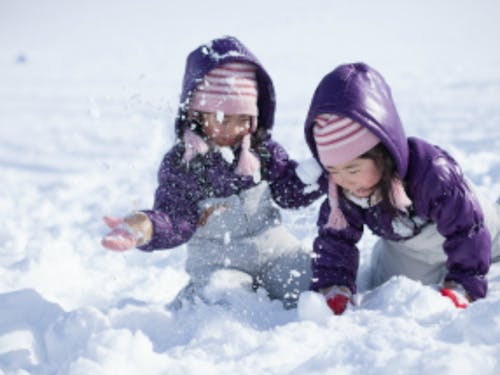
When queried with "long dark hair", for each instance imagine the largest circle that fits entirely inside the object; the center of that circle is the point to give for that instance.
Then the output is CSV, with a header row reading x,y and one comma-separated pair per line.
x,y
385,163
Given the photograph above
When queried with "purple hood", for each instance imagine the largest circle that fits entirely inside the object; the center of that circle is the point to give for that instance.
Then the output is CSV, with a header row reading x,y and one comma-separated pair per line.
x,y
221,51
360,93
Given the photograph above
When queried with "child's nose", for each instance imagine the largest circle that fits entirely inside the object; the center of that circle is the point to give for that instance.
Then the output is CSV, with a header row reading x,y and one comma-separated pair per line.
x,y
345,181
230,123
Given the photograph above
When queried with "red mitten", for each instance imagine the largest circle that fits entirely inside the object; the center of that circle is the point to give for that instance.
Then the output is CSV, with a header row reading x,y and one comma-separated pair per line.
x,y
456,293
338,299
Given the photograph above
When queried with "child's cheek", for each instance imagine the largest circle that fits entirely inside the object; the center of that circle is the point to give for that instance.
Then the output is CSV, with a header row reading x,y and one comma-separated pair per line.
x,y
374,178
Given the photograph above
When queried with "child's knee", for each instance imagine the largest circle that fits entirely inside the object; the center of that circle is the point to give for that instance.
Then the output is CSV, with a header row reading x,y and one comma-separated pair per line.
x,y
287,278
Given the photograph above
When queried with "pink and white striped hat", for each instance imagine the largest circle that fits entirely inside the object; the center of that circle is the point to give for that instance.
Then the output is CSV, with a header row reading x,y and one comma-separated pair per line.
x,y
340,139
230,88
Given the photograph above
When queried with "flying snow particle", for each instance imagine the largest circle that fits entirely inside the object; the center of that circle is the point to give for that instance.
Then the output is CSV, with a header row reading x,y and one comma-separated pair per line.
x,y
219,115
227,238
227,154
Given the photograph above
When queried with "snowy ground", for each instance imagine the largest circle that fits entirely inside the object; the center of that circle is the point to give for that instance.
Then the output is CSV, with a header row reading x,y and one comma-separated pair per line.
x,y
87,95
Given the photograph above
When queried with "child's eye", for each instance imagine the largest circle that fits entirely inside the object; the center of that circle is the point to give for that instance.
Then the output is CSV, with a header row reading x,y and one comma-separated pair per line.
x,y
353,172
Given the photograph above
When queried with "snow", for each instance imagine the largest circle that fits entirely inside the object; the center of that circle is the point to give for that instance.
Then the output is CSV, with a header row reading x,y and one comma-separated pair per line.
x,y
309,170
227,154
219,115
88,93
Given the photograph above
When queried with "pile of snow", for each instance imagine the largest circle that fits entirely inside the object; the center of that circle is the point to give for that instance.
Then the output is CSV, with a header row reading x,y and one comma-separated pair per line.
x,y
87,98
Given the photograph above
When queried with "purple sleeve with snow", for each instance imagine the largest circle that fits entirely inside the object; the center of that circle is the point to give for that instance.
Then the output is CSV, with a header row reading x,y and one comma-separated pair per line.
x,y
288,190
441,193
336,256
175,212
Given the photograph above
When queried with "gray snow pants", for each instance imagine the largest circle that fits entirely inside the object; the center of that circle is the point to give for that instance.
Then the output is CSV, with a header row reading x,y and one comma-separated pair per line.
x,y
244,233
422,257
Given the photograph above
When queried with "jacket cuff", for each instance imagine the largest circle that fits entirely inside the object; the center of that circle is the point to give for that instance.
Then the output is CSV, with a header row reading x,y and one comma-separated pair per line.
x,y
475,285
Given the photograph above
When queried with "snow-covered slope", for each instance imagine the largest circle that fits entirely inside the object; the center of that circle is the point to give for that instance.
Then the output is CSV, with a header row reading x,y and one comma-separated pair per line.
x,y
88,92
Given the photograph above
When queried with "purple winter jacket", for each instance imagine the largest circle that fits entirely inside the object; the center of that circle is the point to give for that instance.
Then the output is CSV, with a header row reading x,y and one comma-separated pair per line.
x,y
181,186
432,179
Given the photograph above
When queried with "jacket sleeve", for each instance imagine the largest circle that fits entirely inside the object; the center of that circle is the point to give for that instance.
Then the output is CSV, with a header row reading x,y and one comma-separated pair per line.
x,y
287,189
450,203
175,211
335,254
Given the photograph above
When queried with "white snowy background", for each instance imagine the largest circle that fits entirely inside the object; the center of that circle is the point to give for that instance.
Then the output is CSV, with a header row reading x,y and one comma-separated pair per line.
x,y
88,91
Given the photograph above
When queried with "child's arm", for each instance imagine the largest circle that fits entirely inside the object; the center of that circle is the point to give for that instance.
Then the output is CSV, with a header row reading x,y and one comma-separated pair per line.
x,y
173,219
446,198
288,190
174,216
336,256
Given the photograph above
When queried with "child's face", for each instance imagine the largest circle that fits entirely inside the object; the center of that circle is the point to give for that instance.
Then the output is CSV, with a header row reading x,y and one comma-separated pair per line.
x,y
226,130
359,176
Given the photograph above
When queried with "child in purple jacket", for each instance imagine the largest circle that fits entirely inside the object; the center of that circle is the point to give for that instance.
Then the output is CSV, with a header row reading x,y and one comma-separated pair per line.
x,y
433,226
217,185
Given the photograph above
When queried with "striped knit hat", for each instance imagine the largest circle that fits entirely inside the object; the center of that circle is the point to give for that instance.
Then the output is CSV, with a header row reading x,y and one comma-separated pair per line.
x,y
340,139
230,88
